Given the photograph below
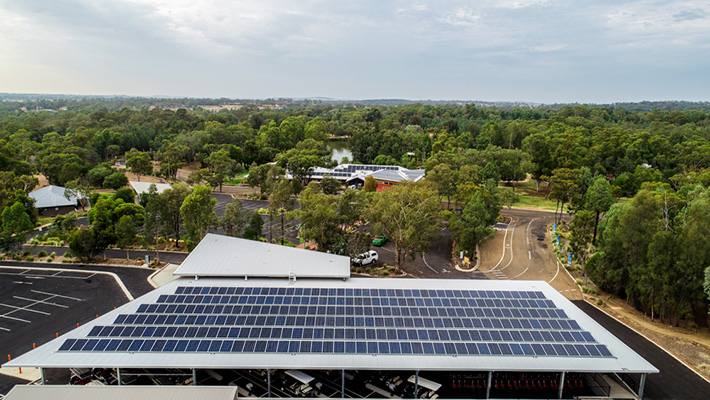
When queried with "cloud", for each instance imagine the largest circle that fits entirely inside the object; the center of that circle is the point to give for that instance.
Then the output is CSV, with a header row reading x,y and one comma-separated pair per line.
x,y
368,48
461,17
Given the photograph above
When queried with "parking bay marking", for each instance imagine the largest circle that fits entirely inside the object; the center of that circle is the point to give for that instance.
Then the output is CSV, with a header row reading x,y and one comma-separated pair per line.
x,y
54,294
24,309
41,301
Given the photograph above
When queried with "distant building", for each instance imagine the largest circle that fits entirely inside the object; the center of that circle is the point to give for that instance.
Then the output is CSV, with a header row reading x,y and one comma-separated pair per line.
x,y
355,174
50,200
143,187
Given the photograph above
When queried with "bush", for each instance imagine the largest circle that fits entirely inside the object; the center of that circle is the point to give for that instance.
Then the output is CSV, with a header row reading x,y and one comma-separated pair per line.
x,y
600,303
29,258
579,282
50,259
26,253
115,181
42,253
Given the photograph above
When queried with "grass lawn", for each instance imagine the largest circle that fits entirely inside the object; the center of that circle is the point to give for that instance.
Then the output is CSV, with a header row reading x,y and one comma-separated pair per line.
x,y
239,178
531,198
44,220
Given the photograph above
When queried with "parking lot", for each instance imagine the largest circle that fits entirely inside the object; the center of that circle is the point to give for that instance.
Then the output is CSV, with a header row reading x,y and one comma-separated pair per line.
x,y
38,304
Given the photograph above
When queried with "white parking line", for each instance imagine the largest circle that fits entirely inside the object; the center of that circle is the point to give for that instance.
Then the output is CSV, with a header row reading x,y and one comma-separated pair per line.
x,y
26,308
111,274
55,295
13,318
427,264
41,301
4,329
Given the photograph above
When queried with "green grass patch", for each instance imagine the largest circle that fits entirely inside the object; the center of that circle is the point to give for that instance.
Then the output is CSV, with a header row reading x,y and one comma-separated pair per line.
x,y
535,202
44,220
235,181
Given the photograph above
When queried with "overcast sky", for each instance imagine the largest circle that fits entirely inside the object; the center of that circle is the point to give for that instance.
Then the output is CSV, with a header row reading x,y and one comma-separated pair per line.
x,y
511,50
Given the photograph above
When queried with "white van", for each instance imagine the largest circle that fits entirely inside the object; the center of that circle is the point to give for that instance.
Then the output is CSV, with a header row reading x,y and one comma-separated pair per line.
x,y
369,257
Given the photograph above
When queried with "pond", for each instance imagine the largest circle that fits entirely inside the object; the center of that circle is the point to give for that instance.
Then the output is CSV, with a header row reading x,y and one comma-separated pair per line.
x,y
339,149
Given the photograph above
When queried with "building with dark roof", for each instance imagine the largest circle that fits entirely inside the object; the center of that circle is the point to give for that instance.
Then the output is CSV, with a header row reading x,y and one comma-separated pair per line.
x,y
50,200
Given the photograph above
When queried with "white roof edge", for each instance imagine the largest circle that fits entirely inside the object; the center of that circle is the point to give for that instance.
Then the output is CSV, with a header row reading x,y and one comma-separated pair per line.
x,y
226,256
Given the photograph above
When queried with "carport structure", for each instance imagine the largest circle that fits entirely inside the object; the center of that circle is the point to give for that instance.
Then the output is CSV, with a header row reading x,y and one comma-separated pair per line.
x,y
398,337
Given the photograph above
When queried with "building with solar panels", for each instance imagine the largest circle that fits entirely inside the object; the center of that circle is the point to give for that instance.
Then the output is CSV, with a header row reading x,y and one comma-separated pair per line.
x,y
355,174
276,321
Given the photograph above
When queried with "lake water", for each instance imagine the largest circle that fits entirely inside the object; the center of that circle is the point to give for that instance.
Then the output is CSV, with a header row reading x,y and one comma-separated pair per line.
x,y
339,149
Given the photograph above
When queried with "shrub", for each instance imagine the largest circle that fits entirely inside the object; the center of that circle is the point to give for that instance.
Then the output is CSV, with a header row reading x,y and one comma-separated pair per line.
x,y
600,303
29,258
42,253
50,259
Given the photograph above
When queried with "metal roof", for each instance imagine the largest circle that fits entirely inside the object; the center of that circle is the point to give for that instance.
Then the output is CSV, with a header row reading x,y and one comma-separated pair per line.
x,y
143,187
219,255
52,196
621,360
57,392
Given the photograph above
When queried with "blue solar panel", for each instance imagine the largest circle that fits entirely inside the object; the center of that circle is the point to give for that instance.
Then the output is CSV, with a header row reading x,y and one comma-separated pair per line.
x,y
350,321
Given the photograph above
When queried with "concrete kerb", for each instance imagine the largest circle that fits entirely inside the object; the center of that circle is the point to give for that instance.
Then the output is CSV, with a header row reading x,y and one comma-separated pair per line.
x,y
156,276
475,267
650,340
111,274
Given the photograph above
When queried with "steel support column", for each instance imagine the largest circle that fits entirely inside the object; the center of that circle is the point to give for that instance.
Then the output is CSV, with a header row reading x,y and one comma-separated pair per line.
x,y
44,380
194,377
488,387
268,381
642,383
416,384
118,376
562,385
342,384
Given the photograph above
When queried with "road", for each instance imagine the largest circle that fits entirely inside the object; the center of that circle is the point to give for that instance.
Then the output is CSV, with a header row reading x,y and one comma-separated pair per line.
x,y
675,380
521,250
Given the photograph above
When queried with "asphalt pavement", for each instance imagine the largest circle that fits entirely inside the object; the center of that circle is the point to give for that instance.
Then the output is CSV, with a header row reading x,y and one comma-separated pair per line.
x,y
36,304
675,380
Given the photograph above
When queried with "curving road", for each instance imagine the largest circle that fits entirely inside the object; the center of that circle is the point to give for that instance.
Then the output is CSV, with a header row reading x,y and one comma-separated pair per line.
x,y
521,250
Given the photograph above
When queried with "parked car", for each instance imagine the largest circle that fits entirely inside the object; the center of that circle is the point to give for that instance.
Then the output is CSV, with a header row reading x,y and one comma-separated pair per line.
x,y
380,240
369,257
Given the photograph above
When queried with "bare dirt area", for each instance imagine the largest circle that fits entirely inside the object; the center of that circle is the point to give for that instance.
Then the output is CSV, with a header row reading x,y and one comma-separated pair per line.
x,y
143,178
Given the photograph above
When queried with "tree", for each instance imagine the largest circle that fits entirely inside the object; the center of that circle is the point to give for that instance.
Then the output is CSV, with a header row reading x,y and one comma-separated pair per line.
x,y
220,164
508,197
254,230
300,163
599,199
170,215
83,244
480,210
235,218
125,233
582,229
153,203
125,194
198,214
139,163
280,201
370,184
330,185
115,181
15,221
80,190
319,219
564,182
445,179
410,215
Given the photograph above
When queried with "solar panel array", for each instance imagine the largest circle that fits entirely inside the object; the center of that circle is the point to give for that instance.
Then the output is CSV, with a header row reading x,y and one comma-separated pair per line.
x,y
345,321
346,171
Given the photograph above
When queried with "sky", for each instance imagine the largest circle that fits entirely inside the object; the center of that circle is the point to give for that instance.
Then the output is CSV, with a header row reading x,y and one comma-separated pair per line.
x,y
543,51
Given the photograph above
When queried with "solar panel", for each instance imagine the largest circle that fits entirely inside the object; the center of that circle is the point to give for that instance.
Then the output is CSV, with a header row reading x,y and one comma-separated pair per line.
x,y
344,321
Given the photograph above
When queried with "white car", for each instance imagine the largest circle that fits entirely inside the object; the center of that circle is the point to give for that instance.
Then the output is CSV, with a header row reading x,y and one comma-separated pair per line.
x,y
370,257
